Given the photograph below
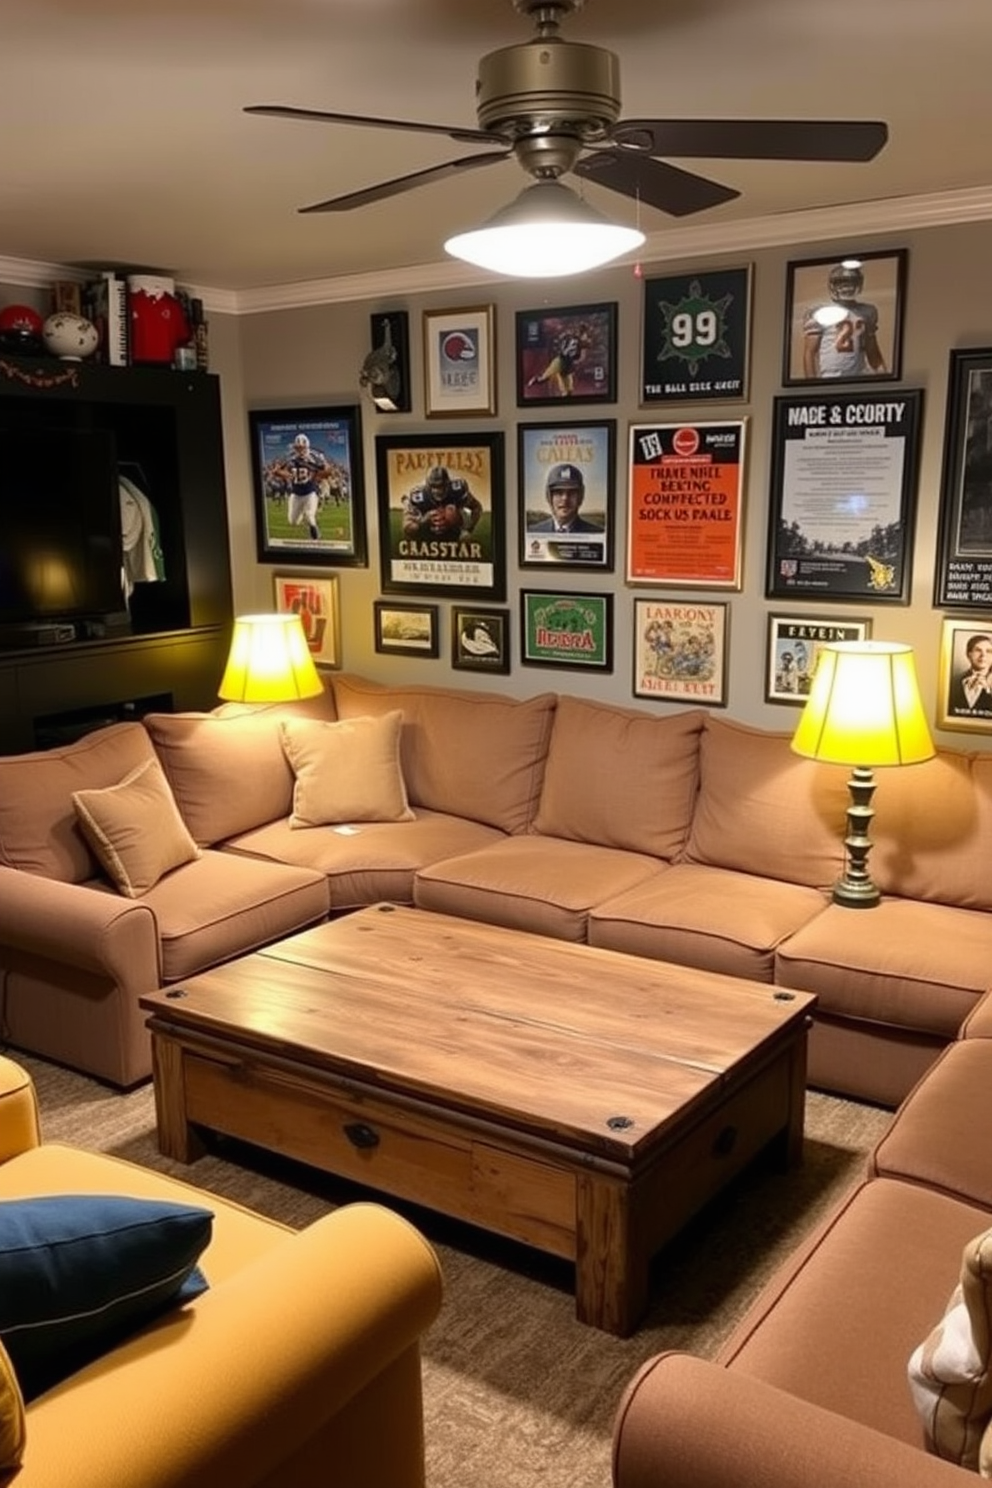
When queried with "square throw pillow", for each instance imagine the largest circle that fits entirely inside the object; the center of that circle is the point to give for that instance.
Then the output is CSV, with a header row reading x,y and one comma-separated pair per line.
x,y
950,1374
79,1272
347,771
135,829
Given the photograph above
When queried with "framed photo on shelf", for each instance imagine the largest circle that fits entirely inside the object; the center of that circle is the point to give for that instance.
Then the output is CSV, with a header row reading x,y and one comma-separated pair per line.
x,y
566,630
694,337
843,496
316,602
441,514
794,642
685,505
480,639
843,318
308,485
565,485
964,535
459,362
407,629
680,651
567,355
964,685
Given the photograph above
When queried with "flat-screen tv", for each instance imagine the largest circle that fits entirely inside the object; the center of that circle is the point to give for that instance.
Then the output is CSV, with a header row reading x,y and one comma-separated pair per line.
x,y
60,525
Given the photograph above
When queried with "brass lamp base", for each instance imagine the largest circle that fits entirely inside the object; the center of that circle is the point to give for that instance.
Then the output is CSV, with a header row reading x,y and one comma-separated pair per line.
x,y
855,888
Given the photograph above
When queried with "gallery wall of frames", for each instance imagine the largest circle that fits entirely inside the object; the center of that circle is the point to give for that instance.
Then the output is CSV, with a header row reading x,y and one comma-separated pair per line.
x,y
572,484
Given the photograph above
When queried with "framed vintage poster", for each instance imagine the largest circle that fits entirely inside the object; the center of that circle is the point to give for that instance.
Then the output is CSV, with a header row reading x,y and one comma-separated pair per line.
x,y
459,361
964,539
480,639
843,496
409,629
680,651
308,486
685,505
843,318
794,642
441,508
566,630
565,485
316,602
964,683
567,355
694,337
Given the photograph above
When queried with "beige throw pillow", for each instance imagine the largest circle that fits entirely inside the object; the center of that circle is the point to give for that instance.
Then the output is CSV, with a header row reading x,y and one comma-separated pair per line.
x,y
135,829
950,1374
346,772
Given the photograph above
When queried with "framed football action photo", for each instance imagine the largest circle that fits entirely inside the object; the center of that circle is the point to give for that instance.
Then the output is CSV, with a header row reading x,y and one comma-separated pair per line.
x,y
409,629
308,485
459,362
566,630
680,651
441,507
316,602
965,676
480,639
964,540
794,643
567,355
843,318
565,484
694,337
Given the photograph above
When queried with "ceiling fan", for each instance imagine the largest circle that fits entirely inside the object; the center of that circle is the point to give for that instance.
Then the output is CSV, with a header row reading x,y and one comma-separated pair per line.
x,y
555,106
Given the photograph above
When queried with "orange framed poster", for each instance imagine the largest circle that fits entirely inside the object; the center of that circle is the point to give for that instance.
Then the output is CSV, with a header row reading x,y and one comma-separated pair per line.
x,y
685,516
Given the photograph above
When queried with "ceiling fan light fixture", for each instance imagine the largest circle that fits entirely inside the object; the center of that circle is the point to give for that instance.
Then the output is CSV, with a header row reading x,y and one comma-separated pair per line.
x,y
546,233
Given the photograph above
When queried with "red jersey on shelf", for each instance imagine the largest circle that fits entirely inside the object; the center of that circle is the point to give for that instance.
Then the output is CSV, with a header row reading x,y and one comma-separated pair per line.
x,y
158,322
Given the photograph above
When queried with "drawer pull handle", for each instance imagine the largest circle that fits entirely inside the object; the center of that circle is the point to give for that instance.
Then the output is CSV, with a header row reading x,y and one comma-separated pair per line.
x,y
726,1141
361,1136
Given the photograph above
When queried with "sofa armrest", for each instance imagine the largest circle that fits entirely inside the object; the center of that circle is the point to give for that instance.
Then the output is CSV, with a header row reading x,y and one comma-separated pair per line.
x,y
320,1328
19,1126
690,1423
102,933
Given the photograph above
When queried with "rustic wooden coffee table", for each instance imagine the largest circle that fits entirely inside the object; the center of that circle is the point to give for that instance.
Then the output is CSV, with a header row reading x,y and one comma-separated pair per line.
x,y
582,1101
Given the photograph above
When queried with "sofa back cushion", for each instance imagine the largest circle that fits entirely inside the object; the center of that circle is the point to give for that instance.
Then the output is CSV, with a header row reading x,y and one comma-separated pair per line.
x,y
478,755
932,829
620,777
39,830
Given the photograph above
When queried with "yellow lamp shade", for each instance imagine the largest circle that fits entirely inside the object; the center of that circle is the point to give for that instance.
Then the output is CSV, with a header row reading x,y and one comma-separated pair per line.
x,y
864,707
269,661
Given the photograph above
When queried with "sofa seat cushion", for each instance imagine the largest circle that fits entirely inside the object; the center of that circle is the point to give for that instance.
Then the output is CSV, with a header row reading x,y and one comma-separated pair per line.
x,y
978,1023
542,884
371,862
902,963
938,1135
839,1321
223,906
706,917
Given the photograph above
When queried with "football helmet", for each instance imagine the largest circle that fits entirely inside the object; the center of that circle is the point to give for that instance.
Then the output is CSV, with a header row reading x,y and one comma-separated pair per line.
x,y
438,481
845,282
566,475
301,443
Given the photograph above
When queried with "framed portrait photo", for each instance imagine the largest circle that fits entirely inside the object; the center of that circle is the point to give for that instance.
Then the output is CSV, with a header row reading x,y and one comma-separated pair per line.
x,y
566,630
567,355
308,485
441,514
794,643
408,629
843,318
316,601
480,639
964,540
694,337
964,683
459,362
565,485
680,651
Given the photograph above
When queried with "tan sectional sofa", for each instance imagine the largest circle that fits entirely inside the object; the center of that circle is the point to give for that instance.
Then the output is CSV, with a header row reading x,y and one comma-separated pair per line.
x,y
813,1385
683,836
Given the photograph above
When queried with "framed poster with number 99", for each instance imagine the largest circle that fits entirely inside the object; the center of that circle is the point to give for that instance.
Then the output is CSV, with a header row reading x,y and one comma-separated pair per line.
x,y
694,345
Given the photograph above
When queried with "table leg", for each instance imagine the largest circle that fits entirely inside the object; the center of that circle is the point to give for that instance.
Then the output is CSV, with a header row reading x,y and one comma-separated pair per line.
x,y
611,1266
176,1137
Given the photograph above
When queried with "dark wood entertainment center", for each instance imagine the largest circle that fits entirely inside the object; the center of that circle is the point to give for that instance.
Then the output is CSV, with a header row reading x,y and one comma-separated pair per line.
x,y
167,426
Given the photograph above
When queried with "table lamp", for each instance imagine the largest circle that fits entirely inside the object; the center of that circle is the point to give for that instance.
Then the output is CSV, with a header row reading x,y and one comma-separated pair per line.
x,y
269,661
863,710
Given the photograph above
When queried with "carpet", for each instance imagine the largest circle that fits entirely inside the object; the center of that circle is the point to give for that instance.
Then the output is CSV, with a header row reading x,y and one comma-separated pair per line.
x,y
516,1392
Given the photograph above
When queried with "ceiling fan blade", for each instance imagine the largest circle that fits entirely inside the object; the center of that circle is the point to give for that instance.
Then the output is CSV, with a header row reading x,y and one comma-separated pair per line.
x,y
284,111
752,139
654,182
386,189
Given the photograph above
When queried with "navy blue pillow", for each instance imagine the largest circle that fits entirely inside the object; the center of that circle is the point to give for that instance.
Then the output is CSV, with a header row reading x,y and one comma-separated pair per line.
x,y
79,1272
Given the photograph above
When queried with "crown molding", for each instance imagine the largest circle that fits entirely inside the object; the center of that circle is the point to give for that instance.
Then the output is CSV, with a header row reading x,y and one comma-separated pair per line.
x,y
896,214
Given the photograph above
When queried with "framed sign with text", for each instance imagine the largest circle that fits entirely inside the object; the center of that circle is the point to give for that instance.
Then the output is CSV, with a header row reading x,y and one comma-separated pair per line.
x,y
964,543
685,512
680,651
694,338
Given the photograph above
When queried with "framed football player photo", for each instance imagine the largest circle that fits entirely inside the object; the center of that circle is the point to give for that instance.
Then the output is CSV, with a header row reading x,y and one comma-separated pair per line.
x,y
843,318
567,355
308,485
565,483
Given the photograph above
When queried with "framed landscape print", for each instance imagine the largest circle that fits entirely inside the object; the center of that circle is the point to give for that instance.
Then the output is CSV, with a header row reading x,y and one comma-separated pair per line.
x,y
459,362
441,508
843,318
567,355
964,539
480,639
410,629
694,337
566,630
565,484
315,600
308,485
794,643
964,686
680,651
